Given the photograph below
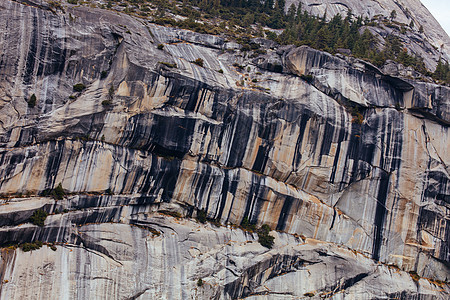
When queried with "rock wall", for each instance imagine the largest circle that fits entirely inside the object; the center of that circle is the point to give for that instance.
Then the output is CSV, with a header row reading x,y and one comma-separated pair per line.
x,y
347,163
407,11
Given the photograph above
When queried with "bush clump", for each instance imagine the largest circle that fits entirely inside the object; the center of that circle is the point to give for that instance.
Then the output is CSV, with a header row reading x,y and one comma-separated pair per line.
x,y
32,101
199,282
26,247
58,192
201,216
103,75
199,62
245,225
264,238
160,46
170,65
79,87
55,5
238,66
38,217
357,116
308,77
111,92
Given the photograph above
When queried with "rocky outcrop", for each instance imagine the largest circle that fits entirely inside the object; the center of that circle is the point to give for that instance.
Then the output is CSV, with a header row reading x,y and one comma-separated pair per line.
x,y
347,162
120,261
352,80
407,11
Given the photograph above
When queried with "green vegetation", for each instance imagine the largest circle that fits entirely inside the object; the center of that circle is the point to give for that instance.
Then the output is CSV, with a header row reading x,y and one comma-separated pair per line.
x,y
111,91
357,116
79,87
198,62
395,50
308,77
309,294
245,225
108,101
38,217
170,65
393,15
264,238
199,282
32,101
241,20
26,247
201,216
234,17
55,5
442,72
58,192
238,66
103,74
215,222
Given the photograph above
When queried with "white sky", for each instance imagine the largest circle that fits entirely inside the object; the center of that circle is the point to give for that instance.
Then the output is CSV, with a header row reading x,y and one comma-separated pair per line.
x,y
441,11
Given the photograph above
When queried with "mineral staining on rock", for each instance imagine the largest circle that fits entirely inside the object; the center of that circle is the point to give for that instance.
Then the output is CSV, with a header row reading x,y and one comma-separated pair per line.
x,y
349,165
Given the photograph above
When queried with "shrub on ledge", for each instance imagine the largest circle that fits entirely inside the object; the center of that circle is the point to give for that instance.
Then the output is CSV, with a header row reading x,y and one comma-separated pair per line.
x,y
79,87
198,62
38,217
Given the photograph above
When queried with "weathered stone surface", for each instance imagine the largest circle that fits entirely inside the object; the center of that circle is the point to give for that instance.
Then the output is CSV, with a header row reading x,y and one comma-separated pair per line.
x,y
407,11
119,261
352,158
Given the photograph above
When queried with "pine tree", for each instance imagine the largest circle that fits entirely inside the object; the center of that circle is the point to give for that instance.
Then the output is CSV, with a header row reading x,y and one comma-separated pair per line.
x,y
393,15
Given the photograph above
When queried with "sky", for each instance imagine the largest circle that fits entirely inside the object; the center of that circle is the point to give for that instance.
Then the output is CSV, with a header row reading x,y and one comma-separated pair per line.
x,y
440,9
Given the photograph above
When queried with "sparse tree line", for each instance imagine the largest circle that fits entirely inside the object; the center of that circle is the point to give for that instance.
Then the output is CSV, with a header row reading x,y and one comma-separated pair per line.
x,y
243,19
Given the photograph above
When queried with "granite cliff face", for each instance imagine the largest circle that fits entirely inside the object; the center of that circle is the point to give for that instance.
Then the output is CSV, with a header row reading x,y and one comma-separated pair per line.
x,y
347,163
430,44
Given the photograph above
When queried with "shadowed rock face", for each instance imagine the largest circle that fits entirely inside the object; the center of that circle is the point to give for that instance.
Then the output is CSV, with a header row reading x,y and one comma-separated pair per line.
x,y
350,158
